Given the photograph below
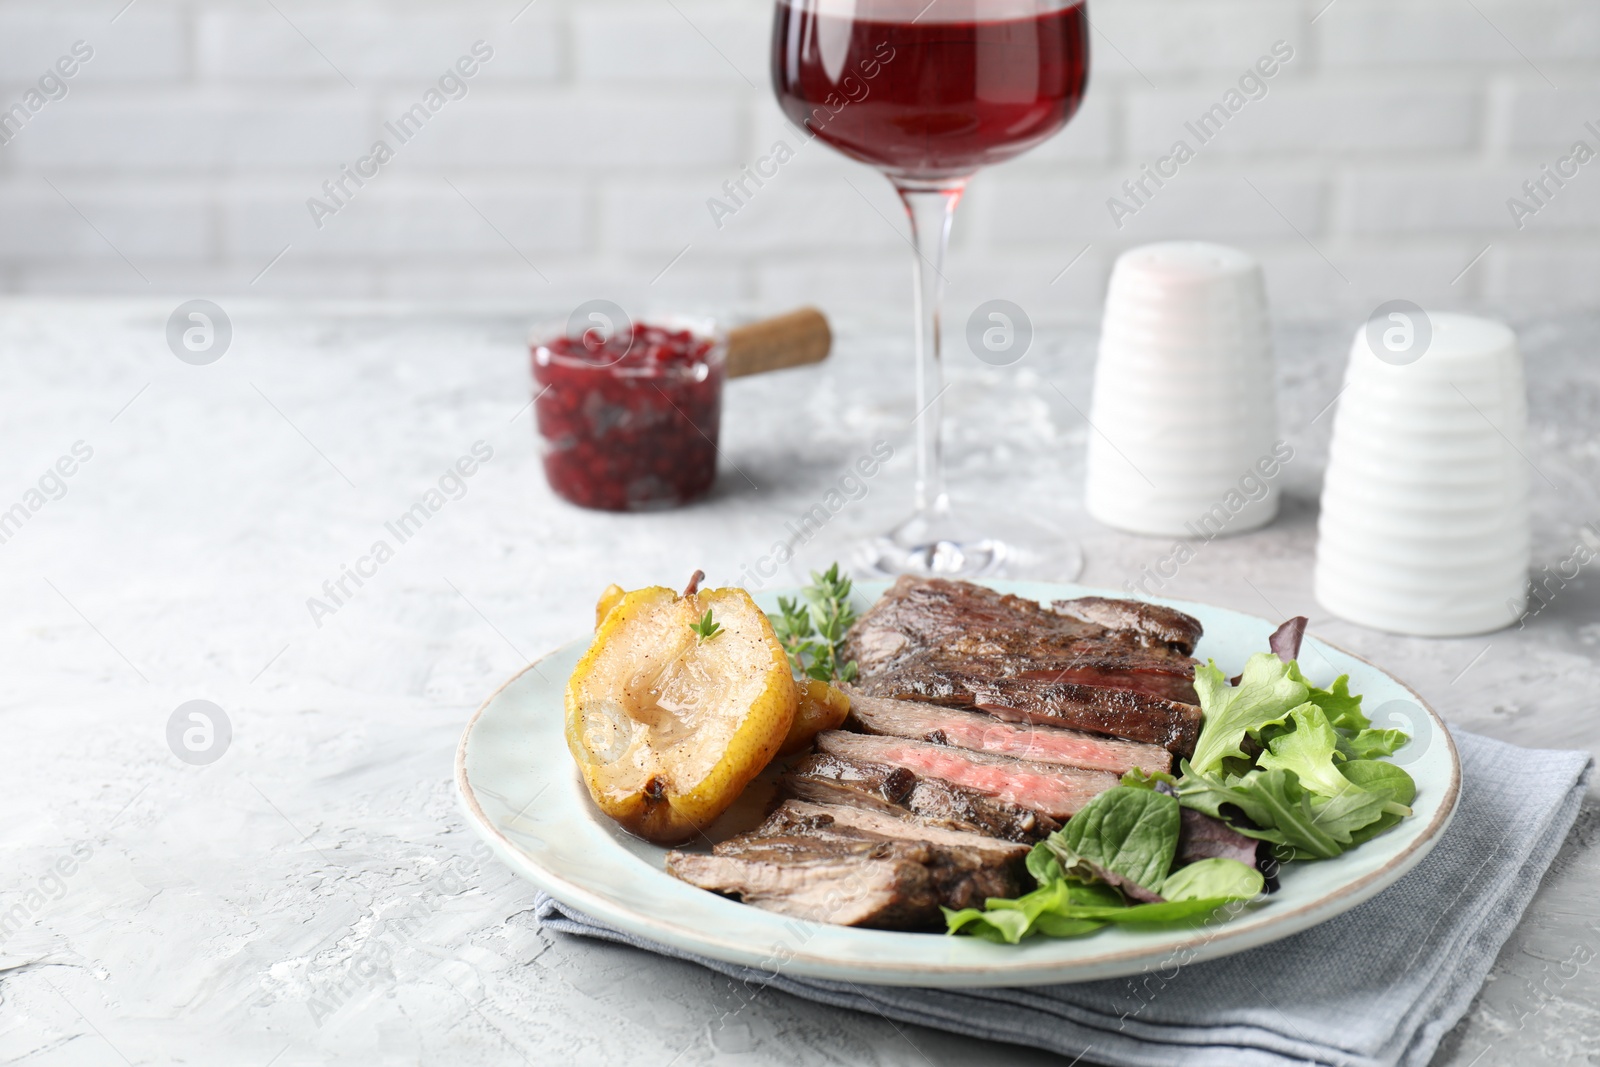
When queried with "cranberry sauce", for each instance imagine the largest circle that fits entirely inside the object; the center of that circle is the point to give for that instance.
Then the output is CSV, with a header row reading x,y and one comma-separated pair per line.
x,y
630,423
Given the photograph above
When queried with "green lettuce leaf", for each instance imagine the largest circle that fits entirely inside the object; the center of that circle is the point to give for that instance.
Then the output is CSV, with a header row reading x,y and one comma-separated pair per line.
x,y
1165,912
1307,750
1044,866
1264,696
1345,815
1052,925
1094,895
1342,709
1048,910
1282,811
1388,781
1124,834
1217,878
1375,776
1138,778
1370,744
1005,927
1068,909
1356,738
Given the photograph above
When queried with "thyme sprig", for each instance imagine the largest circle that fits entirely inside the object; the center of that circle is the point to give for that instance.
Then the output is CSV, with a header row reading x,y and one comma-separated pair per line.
x,y
813,632
707,627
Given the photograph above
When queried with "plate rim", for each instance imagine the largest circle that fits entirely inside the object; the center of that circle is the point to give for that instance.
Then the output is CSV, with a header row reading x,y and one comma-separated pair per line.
x,y
1209,942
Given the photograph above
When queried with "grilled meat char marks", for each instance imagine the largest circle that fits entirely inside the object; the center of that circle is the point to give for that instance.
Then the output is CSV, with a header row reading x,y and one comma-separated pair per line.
x,y
919,615
798,816
856,867
965,645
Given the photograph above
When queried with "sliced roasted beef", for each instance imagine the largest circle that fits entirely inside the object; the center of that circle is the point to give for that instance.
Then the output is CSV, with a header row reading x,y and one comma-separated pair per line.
x,y
855,868
964,621
1122,713
1167,626
951,643
967,868
984,733
1051,791
861,883
828,779
1149,683
1057,791
800,816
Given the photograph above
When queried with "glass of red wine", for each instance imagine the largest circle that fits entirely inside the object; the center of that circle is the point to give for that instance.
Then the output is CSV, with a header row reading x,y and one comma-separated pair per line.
x,y
929,91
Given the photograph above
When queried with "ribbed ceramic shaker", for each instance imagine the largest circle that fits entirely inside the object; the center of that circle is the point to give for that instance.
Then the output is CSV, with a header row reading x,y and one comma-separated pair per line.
x,y
1185,408
1425,520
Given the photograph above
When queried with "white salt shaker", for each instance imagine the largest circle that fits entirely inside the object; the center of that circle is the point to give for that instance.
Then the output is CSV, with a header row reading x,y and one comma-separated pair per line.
x,y
1425,526
1184,420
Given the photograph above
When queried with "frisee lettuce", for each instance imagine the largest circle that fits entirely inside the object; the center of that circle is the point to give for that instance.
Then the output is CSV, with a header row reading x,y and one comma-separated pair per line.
x,y
1263,698
1342,709
1307,750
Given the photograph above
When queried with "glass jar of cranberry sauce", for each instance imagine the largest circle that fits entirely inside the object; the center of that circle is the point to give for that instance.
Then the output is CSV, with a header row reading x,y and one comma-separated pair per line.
x,y
628,422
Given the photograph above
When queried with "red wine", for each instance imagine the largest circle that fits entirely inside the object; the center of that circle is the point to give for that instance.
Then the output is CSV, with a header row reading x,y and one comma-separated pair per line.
x,y
932,98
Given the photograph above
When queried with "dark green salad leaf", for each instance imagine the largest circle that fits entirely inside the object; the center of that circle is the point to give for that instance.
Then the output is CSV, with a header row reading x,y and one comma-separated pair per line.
x,y
1124,837
1388,781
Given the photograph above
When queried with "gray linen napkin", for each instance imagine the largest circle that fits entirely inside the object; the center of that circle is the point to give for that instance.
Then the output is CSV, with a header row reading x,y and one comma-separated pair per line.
x,y
1377,986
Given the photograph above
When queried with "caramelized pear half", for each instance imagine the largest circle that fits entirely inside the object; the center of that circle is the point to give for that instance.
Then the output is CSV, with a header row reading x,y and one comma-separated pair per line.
x,y
668,726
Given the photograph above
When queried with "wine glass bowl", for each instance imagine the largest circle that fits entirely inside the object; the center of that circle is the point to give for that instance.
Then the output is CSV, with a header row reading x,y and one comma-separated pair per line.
x,y
929,92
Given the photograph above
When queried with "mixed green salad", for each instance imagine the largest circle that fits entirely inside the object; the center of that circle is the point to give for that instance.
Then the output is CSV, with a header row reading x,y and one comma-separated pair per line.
x,y
1278,760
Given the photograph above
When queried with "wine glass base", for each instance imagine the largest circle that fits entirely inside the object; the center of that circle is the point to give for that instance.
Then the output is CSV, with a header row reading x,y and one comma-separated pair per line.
x,y
939,547
885,557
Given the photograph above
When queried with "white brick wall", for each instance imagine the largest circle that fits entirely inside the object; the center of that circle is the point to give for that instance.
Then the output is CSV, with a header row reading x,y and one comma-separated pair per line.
x,y
1381,157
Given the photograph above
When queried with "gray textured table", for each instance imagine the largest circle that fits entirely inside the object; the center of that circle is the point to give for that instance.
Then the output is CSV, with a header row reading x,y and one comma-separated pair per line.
x,y
313,896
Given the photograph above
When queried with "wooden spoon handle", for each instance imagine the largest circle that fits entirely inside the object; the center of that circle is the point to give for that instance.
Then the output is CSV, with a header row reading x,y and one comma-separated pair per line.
x,y
791,340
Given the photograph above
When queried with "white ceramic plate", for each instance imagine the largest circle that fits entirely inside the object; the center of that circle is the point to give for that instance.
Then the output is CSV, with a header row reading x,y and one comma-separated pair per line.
x,y
523,794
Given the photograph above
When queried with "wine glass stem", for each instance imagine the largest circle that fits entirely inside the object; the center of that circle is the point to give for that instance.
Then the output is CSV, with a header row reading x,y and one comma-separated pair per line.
x,y
931,209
